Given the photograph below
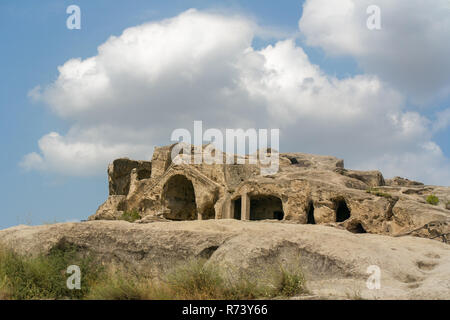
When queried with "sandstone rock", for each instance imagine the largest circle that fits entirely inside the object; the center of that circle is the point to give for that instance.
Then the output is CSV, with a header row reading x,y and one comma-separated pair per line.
x,y
119,174
398,181
334,261
308,189
112,209
370,178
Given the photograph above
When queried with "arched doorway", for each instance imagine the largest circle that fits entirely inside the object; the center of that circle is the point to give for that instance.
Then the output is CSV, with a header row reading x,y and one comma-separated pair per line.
x,y
179,198
266,207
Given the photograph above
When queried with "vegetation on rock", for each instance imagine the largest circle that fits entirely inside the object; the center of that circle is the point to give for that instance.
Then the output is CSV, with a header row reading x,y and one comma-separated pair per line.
x,y
433,200
130,216
378,193
44,277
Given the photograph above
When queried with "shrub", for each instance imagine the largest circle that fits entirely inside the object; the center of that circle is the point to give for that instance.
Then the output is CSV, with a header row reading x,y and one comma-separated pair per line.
x,y
291,283
130,216
433,200
44,276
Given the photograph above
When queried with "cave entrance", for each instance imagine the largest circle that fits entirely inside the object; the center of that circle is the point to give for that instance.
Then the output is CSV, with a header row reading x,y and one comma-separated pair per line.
x,y
310,214
266,207
237,209
356,228
342,210
179,198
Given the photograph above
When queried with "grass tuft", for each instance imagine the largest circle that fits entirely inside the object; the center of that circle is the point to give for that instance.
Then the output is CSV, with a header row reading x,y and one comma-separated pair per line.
x,y
291,283
433,200
379,193
130,216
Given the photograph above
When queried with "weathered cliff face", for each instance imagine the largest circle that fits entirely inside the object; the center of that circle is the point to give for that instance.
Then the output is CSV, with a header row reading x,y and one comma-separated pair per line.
x,y
307,189
119,175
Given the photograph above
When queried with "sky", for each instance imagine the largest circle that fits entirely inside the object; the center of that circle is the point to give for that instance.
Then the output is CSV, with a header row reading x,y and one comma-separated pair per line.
x,y
73,100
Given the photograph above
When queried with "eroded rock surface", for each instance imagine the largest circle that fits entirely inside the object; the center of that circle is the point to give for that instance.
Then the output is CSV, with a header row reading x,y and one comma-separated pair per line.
x,y
308,189
334,261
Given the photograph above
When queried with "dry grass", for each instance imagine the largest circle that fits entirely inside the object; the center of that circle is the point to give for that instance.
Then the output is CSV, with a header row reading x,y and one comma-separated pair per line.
x,y
44,277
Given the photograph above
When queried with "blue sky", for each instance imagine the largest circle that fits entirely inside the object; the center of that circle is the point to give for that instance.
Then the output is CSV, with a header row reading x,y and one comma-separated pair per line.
x,y
35,41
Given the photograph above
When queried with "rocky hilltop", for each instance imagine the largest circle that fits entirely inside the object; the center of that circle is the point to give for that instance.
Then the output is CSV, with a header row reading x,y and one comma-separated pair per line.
x,y
306,189
331,221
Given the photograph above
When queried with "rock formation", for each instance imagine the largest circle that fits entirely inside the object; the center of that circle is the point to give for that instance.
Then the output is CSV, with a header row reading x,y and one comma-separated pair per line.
x,y
333,222
334,261
307,189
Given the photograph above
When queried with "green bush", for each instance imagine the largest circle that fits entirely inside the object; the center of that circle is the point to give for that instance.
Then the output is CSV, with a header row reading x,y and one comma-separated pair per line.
x,y
433,200
44,276
130,216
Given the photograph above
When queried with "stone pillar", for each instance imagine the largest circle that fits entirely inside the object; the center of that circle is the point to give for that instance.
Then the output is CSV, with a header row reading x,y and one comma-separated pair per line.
x,y
199,216
230,211
245,207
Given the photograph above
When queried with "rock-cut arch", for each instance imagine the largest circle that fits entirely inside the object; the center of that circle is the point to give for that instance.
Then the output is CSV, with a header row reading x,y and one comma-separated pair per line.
x,y
264,207
179,198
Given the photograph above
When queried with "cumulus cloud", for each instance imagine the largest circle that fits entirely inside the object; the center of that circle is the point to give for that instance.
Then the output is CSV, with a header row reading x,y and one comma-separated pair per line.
x,y
163,75
410,51
76,157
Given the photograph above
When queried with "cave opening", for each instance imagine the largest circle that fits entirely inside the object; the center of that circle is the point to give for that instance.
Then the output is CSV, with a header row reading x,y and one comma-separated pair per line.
x,y
357,228
342,210
310,214
266,208
179,198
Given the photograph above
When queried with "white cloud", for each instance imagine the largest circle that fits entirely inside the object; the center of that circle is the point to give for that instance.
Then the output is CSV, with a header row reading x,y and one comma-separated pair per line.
x,y
160,76
427,162
410,51
63,156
